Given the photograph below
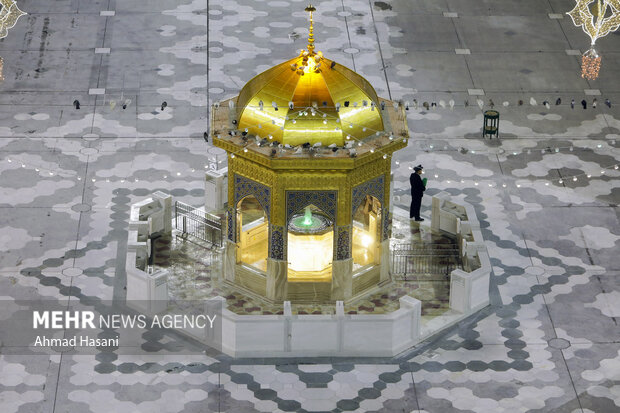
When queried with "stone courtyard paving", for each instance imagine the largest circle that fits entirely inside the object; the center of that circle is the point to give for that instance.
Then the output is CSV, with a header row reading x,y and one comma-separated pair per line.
x,y
550,341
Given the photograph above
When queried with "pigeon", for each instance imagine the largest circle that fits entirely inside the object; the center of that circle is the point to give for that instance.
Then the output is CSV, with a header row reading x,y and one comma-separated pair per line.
x,y
407,105
260,104
451,103
584,104
533,102
506,103
546,104
287,146
480,103
491,103
442,103
558,101
594,103
466,103
333,145
572,103
425,104
415,104
608,103
299,149
318,144
434,104
520,102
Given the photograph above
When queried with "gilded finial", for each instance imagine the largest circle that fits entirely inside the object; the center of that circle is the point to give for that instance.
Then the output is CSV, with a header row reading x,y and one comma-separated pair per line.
x,y
311,9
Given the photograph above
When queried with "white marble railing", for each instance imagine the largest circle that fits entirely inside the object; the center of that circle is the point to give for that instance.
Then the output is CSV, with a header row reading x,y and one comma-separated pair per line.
x,y
341,334
469,288
147,290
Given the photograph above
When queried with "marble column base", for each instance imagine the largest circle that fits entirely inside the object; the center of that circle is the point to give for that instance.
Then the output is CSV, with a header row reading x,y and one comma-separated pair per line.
x,y
276,279
342,279
229,261
384,274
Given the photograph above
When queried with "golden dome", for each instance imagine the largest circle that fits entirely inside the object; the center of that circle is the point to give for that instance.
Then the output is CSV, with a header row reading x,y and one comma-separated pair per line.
x,y
309,99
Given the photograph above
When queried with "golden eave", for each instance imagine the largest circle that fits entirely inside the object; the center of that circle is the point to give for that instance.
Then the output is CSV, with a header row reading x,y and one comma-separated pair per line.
x,y
321,162
392,139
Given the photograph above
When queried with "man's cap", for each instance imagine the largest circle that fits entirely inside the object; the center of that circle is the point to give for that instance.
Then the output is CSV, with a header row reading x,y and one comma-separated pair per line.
x,y
418,168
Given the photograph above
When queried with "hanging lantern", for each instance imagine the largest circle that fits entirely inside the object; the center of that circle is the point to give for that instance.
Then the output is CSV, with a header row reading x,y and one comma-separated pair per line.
x,y
590,64
597,18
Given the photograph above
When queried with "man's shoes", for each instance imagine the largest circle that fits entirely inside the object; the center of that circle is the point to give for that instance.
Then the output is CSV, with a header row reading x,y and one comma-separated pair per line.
x,y
419,219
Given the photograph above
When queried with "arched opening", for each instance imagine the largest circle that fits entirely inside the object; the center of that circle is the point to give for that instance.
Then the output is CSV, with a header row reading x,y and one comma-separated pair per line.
x,y
367,233
253,236
310,246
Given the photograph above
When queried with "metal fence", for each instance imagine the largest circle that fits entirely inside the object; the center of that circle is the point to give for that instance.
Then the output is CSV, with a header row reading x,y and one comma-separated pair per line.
x,y
198,223
409,261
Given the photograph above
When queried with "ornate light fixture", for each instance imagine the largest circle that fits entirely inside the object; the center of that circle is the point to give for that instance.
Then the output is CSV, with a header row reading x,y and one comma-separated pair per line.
x,y
590,64
9,13
597,18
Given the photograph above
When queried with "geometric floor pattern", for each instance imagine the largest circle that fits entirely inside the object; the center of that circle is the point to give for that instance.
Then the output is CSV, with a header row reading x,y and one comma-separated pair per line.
x,y
550,341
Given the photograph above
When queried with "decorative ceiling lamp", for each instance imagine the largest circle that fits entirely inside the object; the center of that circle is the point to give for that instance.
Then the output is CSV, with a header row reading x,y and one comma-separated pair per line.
x,y
597,18
9,13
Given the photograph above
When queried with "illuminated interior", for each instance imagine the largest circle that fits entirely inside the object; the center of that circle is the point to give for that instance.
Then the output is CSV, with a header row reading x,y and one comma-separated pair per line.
x,y
253,233
366,226
310,247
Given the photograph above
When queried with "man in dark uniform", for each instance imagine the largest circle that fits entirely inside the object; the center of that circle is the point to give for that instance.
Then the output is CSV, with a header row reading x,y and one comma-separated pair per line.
x,y
417,191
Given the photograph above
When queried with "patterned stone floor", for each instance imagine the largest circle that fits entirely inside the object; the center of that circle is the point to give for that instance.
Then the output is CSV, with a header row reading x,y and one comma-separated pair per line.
x,y
550,341
194,272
